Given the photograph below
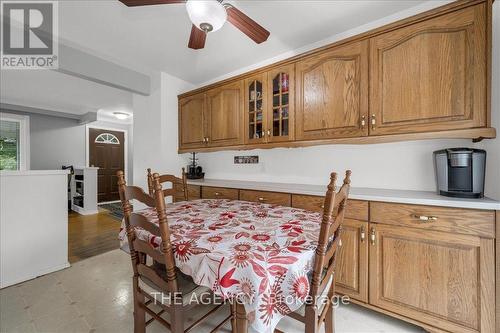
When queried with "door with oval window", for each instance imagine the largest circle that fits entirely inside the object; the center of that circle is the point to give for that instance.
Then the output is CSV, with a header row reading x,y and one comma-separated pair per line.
x,y
106,151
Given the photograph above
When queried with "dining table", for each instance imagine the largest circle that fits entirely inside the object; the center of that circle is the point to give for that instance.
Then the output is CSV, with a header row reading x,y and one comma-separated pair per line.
x,y
262,254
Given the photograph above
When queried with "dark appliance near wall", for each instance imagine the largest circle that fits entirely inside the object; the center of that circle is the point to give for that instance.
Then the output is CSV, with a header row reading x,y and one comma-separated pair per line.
x,y
194,170
70,175
460,172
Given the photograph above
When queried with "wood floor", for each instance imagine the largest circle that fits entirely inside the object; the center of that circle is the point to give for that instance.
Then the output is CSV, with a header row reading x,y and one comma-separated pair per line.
x,y
90,235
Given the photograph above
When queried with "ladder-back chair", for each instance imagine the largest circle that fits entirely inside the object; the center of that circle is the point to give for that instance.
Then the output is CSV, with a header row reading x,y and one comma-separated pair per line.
x,y
154,269
322,285
179,189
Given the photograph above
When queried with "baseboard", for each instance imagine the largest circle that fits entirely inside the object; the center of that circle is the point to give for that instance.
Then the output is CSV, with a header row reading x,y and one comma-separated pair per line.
x,y
4,284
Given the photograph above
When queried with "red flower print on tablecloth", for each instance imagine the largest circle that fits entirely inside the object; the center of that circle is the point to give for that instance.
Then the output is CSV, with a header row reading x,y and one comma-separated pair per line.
x,y
273,302
214,239
227,215
183,250
246,291
261,237
197,221
293,228
300,287
261,214
242,247
241,259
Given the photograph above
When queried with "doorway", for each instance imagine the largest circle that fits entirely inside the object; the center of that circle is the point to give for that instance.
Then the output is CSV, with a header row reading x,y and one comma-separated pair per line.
x,y
107,152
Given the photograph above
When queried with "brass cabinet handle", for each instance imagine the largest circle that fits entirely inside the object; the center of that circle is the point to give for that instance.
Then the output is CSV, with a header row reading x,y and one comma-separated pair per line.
x,y
372,236
268,132
208,139
217,194
261,199
425,218
363,122
374,121
362,234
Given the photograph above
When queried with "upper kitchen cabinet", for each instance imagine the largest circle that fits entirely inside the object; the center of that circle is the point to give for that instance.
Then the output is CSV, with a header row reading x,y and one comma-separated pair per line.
x,y
431,76
281,103
332,93
256,128
192,129
224,113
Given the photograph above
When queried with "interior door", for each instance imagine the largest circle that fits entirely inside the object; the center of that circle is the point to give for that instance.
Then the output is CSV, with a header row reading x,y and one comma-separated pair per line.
x,y
192,122
431,75
256,109
332,93
106,151
281,102
433,277
224,112
352,262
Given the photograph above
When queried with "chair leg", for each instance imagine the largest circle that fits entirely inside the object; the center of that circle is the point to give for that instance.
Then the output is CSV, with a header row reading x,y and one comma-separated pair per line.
x,y
233,316
139,312
177,320
329,320
311,320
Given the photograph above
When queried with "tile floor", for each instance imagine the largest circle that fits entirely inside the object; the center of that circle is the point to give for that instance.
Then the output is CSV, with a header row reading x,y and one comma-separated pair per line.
x,y
94,295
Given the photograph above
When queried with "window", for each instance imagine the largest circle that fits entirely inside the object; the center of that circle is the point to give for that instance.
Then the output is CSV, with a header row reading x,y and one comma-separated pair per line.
x,y
14,142
107,138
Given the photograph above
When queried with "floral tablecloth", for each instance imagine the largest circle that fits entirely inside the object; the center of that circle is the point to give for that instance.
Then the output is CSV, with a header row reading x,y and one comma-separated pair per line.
x,y
260,252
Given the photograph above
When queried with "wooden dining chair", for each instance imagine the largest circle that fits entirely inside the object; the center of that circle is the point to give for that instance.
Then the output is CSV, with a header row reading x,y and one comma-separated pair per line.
x,y
159,283
179,187
322,285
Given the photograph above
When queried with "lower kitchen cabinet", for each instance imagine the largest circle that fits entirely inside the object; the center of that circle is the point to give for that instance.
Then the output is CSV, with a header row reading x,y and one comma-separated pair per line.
x,y
445,280
352,261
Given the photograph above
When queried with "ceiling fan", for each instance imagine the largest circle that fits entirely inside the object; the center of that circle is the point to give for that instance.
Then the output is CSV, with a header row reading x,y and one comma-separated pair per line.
x,y
208,16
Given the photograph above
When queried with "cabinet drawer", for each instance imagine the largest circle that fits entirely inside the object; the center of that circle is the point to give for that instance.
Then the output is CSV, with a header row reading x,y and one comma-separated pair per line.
x,y
456,220
356,209
193,193
273,198
219,193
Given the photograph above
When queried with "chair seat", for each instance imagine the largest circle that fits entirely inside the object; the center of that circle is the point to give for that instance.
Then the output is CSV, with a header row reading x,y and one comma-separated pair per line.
x,y
191,292
322,301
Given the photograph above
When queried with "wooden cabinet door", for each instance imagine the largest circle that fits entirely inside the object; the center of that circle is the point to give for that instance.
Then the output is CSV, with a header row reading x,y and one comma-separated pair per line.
x,y
224,111
352,262
192,121
332,93
430,76
281,103
256,109
442,279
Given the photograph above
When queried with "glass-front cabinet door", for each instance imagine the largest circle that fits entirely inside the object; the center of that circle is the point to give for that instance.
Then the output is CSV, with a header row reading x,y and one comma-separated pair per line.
x,y
255,106
281,101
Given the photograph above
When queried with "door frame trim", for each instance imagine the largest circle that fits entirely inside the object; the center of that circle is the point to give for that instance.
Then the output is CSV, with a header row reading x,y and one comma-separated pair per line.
x,y
125,144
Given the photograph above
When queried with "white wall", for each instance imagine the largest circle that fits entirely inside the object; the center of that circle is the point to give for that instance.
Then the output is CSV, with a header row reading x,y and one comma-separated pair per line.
x,y
155,125
403,165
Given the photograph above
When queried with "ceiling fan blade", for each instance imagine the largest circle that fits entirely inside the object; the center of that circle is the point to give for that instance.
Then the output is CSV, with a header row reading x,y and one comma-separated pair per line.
x,y
248,26
197,38
134,3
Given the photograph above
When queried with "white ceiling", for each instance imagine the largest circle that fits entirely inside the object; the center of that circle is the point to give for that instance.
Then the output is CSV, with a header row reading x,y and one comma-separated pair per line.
x,y
46,89
157,36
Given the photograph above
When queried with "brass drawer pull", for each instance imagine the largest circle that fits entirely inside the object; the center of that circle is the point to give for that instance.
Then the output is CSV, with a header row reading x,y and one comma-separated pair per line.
x,y
217,194
363,122
425,218
261,199
372,236
374,121
362,234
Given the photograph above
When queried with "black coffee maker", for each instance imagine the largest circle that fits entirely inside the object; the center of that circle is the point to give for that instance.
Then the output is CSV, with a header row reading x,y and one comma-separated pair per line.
x,y
194,170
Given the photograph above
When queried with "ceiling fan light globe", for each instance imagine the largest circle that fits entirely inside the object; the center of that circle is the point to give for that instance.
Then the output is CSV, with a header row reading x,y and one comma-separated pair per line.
x,y
206,13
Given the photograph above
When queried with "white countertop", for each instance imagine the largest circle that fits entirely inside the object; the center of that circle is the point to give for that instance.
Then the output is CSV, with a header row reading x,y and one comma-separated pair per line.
x,y
32,172
359,193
